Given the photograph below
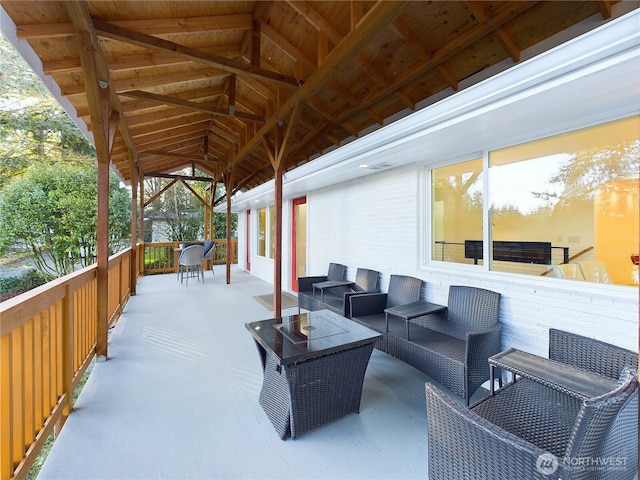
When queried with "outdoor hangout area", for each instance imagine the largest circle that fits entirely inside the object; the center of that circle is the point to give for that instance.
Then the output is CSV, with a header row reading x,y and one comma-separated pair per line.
x,y
179,398
184,395
366,240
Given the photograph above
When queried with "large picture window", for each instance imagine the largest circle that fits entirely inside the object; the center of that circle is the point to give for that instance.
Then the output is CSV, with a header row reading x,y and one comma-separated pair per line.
x,y
266,231
456,212
564,206
262,232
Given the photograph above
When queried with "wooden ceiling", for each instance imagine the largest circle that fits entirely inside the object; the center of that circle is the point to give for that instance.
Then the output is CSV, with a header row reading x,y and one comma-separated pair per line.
x,y
247,86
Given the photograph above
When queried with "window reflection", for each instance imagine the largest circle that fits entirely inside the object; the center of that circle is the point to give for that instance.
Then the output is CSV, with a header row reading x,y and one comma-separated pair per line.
x,y
578,191
262,232
456,210
564,206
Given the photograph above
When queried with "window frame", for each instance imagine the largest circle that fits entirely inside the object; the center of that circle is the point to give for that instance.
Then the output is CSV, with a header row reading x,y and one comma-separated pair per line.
x,y
427,261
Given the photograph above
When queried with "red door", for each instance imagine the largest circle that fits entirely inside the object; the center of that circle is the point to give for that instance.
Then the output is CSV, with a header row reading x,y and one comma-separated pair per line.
x,y
248,240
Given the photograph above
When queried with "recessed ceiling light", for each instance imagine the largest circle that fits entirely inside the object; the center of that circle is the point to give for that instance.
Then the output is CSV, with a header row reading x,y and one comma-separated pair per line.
x,y
363,165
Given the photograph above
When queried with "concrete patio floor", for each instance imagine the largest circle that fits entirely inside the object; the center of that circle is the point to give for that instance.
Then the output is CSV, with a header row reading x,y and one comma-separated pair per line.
x,y
178,398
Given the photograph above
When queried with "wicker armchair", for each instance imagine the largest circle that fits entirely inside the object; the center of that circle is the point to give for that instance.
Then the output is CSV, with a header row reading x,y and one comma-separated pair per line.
x,y
305,285
609,360
452,348
526,431
368,309
456,346
336,299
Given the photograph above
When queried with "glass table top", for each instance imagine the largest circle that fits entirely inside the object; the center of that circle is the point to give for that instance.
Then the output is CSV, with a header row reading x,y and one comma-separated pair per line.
x,y
300,337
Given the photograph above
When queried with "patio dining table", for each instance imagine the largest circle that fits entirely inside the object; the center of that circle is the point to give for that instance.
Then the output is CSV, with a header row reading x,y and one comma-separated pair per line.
x,y
313,368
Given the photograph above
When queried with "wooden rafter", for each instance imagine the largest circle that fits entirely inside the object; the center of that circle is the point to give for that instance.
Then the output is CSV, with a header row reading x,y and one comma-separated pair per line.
x,y
193,158
177,177
127,35
151,27
196,194
381,14
162,190
151,81
170,50
437,58
135,62
165,100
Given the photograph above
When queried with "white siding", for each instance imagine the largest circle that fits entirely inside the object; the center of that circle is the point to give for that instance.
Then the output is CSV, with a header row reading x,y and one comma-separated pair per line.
x,y
374,222
369,222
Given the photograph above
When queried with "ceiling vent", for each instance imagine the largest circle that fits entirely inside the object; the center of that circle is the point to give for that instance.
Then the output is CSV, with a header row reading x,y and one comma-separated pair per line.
x,y
381,166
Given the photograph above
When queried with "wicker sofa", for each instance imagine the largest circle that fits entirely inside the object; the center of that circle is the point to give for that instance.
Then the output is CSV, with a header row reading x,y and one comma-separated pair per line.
x,y
531,430
452,348
336,298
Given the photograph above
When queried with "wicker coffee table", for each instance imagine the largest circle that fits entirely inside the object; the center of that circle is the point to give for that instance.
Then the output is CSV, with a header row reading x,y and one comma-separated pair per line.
x,y
314,365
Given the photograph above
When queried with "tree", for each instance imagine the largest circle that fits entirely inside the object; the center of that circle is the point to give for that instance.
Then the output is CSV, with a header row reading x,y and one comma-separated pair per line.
x,y
588,170
180,213
52,210
33,126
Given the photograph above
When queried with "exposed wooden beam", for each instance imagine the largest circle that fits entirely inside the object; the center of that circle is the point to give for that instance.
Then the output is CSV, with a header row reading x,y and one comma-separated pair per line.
x,y
196,194
375,19
114,122
177,177
231,96
448,76
156,26
166,100
162,190
508,44
135,62
127,35
97,77
169,124
182,156
152,81
462,41
477,9
605,7
255,43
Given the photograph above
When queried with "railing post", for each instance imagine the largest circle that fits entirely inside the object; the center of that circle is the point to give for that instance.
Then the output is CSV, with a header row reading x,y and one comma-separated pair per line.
x,y
67,357
6,420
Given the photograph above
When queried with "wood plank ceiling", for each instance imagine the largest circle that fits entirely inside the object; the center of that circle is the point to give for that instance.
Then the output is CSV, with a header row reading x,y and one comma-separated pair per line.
x,y
245,85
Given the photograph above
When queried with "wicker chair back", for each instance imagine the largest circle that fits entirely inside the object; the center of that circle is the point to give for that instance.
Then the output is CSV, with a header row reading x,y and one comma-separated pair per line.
x,y
336,271
366,280
595,419
470,309
403,290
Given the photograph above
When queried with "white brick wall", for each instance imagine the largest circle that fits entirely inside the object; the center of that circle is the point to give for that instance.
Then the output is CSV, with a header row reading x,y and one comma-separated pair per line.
x,y
374,222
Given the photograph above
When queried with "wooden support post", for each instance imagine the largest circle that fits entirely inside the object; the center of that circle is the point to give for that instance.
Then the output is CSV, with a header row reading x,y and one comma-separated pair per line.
x,y
103,261
133,264
228,183
277,254
141,179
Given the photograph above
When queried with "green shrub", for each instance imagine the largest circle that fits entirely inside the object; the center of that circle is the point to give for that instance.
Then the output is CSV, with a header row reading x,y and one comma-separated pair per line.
x,y
27,281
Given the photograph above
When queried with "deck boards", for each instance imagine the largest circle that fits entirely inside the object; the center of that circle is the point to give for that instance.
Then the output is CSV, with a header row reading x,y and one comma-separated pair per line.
x,y
178,398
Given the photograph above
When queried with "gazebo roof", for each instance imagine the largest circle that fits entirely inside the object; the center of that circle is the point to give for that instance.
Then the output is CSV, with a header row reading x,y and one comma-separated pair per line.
x,y
247,86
